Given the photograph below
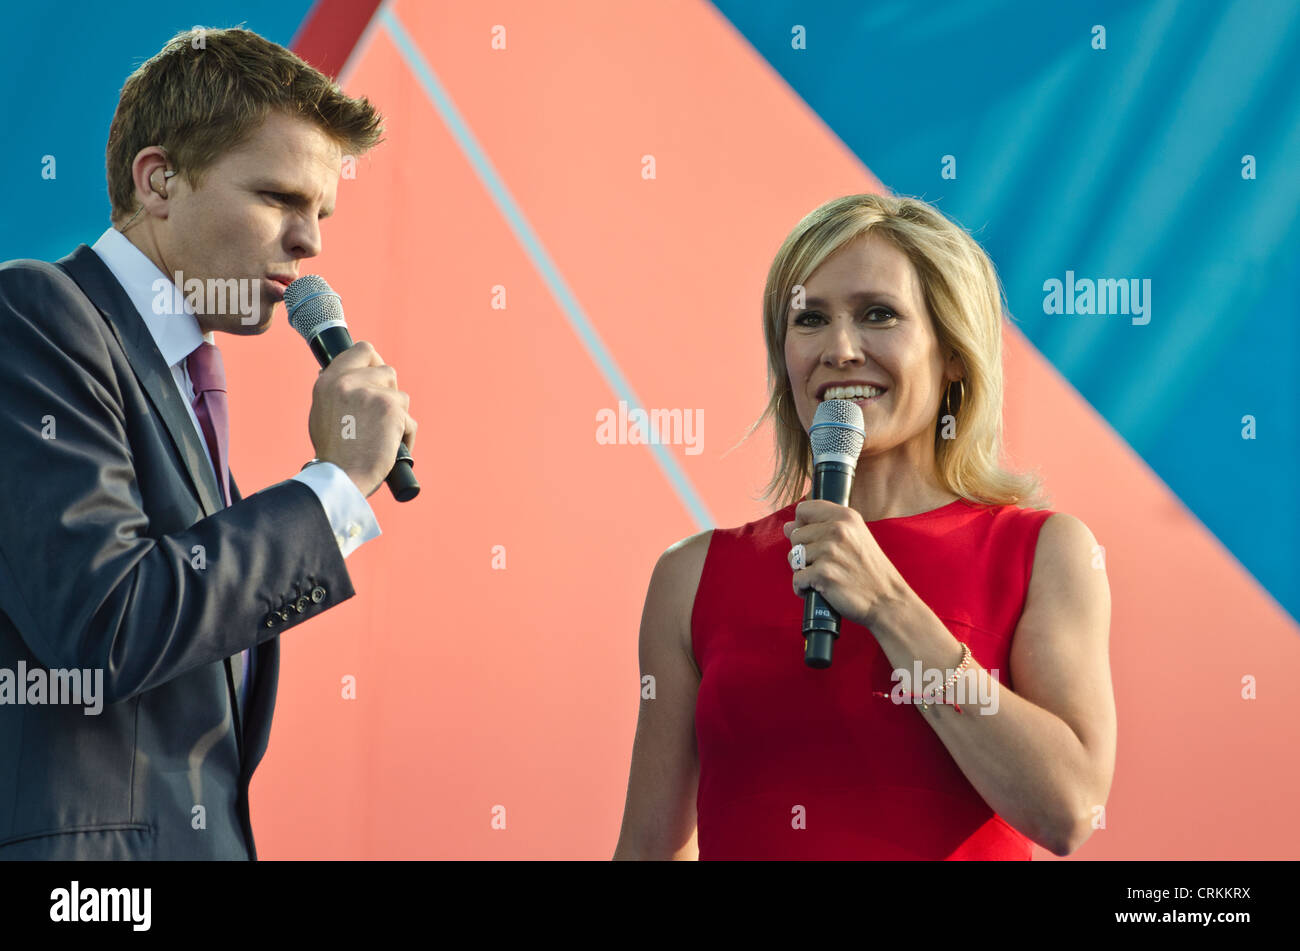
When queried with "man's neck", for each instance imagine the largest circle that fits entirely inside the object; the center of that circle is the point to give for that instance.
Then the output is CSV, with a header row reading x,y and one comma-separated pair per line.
x,y
143,242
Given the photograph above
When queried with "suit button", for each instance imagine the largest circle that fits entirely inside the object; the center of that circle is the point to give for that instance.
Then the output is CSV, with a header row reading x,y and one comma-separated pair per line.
x,y
270,619
300,605
318,594
284,614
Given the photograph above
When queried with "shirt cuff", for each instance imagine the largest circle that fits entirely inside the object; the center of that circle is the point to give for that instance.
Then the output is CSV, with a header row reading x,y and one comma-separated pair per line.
x,y
346,508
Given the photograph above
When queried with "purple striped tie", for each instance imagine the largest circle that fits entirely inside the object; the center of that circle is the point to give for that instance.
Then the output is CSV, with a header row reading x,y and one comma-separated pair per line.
x,y
209,378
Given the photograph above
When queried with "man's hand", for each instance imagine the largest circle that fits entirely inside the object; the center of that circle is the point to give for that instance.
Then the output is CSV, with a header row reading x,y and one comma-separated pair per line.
x,y
359,416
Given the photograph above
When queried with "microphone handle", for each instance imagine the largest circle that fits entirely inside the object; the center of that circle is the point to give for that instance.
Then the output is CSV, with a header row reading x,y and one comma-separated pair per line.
x,y
327,345
832,482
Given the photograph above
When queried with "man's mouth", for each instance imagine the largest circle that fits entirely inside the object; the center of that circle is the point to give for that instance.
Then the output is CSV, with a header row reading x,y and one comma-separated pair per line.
x,y
278,286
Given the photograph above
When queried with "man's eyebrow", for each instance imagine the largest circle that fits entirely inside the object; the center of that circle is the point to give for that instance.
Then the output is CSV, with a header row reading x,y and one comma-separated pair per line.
x,y
811,302
270,185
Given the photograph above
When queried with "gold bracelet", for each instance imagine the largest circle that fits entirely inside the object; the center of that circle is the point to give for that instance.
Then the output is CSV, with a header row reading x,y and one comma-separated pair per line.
x,y
965,662
920,699
942,692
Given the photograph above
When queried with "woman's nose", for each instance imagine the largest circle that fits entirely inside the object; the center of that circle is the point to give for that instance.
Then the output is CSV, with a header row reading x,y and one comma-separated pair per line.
x,y
842,345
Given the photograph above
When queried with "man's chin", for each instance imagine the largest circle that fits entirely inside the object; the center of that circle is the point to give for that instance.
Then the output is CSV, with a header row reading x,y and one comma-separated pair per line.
x,y
243,326
260,325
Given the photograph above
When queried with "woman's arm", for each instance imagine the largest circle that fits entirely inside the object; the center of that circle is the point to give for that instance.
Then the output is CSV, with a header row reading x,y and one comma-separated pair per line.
x,y
659,815
1045,760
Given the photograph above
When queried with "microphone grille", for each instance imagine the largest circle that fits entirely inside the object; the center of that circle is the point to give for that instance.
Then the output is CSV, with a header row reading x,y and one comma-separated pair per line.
x,y
837,430
311,304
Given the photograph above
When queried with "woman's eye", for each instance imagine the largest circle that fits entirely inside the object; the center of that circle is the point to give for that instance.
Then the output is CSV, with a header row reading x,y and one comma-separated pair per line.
x,y
885,315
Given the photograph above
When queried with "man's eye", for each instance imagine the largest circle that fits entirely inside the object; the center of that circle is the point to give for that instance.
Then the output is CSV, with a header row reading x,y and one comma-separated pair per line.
x,y
278,196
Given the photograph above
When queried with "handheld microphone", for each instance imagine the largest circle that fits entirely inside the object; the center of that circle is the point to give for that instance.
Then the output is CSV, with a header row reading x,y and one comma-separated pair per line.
x,y
316,312
836,435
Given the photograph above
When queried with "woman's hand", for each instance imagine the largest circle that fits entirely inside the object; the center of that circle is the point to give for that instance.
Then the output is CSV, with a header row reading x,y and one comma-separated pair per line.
x,y
844,562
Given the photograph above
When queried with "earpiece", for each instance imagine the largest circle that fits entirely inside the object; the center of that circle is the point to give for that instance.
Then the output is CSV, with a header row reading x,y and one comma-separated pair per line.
x,y
161,192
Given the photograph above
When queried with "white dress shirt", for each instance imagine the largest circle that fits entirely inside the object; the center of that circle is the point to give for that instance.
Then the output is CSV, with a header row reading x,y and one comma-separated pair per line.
x,y
177,335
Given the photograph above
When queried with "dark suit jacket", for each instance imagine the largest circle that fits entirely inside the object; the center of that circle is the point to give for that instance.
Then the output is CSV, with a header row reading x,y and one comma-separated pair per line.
x,y
98,533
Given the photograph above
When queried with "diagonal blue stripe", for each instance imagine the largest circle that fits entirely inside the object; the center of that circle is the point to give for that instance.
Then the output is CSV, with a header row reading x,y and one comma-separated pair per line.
x,y
533,247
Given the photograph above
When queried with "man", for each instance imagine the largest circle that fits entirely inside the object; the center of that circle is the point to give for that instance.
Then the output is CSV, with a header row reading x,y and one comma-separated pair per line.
x,y
126,551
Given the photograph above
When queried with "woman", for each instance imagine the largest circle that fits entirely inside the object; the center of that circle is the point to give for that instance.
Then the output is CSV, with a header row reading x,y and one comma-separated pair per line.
x,y
936,569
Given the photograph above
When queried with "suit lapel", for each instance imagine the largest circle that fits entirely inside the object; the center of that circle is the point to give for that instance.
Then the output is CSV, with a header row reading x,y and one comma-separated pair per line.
x,y
96,280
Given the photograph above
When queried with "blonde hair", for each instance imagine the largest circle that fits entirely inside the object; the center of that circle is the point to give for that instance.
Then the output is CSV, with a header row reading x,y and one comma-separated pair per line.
x,y
207,91
965,299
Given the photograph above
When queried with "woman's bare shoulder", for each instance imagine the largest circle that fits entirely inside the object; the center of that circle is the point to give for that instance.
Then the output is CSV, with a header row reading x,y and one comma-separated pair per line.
x,y
688,552
678,571
673,588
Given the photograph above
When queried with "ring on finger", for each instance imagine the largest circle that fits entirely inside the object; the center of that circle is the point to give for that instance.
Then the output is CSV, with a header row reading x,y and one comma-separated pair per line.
x,y
798,557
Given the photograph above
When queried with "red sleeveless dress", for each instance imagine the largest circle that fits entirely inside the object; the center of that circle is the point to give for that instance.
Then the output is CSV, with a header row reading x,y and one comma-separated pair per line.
x,y
873,778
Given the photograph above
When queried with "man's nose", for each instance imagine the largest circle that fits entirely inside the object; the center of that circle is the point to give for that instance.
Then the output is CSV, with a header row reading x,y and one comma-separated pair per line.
x,y
305,239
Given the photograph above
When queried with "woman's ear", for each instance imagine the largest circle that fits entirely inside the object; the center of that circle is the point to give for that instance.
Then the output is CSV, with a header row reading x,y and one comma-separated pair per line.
x,y
956,366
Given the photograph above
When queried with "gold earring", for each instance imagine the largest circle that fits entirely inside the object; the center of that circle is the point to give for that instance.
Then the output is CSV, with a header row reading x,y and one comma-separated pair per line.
x,y
947,396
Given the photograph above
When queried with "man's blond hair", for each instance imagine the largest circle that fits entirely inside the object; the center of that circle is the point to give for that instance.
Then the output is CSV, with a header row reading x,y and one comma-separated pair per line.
x,y
208,91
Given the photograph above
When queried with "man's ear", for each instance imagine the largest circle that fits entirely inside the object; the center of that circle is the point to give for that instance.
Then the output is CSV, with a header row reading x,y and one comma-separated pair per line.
x,y
148,173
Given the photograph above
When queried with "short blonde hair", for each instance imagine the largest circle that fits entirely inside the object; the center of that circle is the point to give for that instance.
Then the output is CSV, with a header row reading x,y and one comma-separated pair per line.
x,y
208,91
965,299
